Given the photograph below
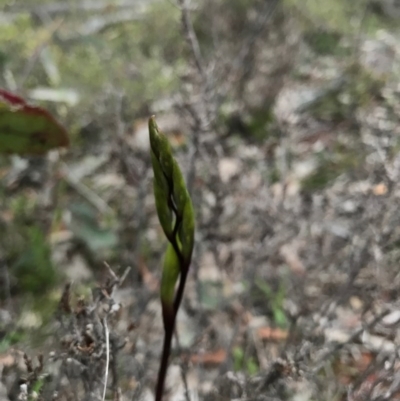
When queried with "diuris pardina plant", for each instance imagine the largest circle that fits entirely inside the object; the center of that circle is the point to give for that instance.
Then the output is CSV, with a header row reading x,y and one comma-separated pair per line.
x,y
176,216
27,129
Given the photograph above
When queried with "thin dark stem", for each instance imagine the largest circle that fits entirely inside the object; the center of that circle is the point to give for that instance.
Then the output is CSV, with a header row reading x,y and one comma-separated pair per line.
x,y
184,367
191,38
171,311
169,324
181,289
169,319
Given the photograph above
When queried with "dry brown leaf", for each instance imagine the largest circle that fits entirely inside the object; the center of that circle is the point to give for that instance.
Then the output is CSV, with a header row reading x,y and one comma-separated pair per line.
x,y
348,370
148,278
268,333
7,360
209,359
290,254
177,139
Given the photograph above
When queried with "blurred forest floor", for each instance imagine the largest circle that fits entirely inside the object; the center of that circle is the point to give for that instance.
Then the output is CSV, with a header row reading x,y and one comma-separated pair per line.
x,y
285,117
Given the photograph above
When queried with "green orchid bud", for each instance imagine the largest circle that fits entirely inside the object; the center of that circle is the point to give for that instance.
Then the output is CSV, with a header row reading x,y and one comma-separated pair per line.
x,y
170,274
186,232
161,194
162,149
180,193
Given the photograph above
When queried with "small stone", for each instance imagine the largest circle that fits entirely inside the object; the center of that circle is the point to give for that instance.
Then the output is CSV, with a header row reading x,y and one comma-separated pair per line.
x,y
356,303
228,168
392,318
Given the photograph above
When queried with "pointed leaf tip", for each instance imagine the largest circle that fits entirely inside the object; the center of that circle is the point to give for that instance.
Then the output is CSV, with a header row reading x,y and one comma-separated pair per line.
x,y
153,127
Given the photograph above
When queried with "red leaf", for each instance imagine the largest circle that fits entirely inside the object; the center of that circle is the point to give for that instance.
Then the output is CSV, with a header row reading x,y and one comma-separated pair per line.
x,y
12,98
27,129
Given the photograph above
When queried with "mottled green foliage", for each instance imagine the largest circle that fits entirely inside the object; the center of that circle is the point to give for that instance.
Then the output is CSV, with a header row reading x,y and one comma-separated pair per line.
x,y
33,267
362,89
323,42
242,362
11,338
275,300
99,236
331,165
341,16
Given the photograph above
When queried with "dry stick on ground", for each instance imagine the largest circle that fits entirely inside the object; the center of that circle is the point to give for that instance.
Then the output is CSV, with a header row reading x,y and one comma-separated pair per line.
x,y
239,62
63,7
191,38
6,283
204,114
107,338
134,171
333,350
362,384
201,121
116,282
95,200
111,347
244,60
52,30
201,118
130,174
